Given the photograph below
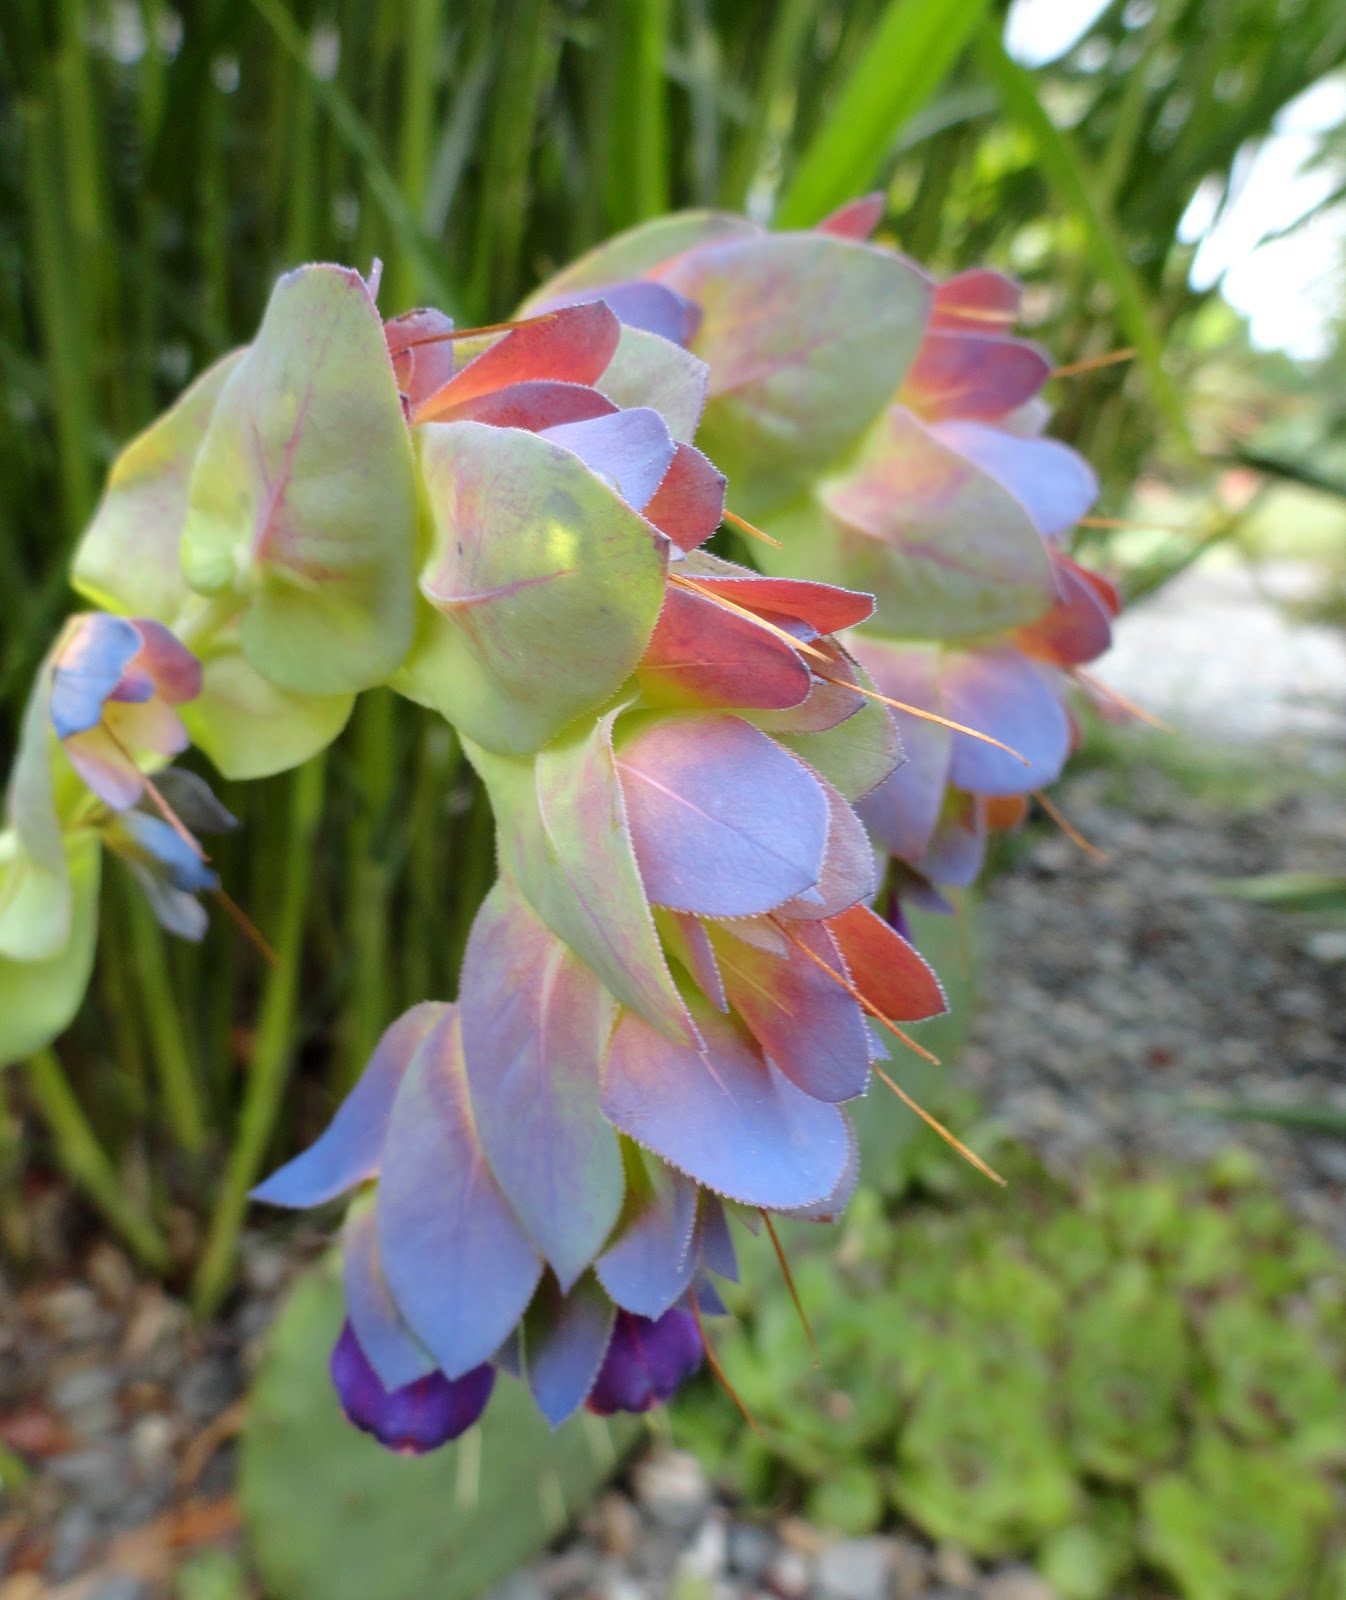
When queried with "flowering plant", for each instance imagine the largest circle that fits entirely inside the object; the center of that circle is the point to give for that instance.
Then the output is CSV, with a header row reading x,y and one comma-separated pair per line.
x,y
679,978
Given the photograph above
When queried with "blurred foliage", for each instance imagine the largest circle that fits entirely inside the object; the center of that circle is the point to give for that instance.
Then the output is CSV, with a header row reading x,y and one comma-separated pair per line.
x,y
331,1515
1136,1377
160,163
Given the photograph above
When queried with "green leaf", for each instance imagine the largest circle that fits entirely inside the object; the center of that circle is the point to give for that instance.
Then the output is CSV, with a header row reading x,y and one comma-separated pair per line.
x,y
1291,891
303,498
906,57
39,999
1236,1524
127,560
788,394
1079,192
543,586
333,1516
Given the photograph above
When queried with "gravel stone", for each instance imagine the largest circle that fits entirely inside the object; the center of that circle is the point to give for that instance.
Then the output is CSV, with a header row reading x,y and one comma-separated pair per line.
x,y
750,1550
672,1488
856,1569
1016,1583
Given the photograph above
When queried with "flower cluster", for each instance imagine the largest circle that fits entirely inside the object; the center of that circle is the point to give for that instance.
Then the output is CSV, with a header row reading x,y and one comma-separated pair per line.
x,y
678,980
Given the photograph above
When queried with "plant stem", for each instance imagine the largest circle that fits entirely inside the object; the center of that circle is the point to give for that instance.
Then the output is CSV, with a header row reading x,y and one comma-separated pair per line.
x,y
272,1051
83,1159
369,878
172,1055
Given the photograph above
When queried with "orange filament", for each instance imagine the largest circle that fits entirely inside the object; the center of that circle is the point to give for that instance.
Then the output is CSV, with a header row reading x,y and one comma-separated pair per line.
x,y
939,1128
1068,828
926,716
865,1005
170,816
1115,695
742,611
449,335
1091,363
790,1285
747,527
247,927
973,314
1143,525
717,1369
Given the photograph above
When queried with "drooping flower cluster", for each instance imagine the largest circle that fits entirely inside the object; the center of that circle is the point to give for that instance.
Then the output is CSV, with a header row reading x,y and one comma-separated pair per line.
x,y
946,503
678,980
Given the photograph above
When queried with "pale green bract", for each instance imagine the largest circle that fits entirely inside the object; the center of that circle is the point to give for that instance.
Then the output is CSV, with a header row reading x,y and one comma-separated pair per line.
x,y
314,536
542,586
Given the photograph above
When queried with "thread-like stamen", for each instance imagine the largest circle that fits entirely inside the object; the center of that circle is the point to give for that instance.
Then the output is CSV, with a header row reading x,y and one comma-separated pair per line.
x,y
938,1127
753,533
1142,525
926,716
1068,828
975,314
1091,363
1088,681
450,334
717,1369
170,816
865,1004
742,611
790,1285
246,926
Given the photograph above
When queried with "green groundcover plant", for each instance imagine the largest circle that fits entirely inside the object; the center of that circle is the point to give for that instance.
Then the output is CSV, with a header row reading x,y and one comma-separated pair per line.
x,y
1130,1378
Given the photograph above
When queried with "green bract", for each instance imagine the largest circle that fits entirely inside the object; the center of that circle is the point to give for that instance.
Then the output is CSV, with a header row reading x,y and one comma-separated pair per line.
x,y
40,995
302,499
127,559
790,395
562,836
542,586
946,551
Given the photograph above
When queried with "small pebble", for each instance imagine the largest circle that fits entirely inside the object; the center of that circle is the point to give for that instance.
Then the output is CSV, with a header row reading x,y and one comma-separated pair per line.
x,y
120,1586
615,1523
856,1569
1016,1583
789,1574
952,1565
672,1488
750,1550
708,1553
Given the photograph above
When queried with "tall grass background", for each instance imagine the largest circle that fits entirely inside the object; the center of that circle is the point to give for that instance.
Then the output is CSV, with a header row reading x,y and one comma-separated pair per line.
x,y
160,164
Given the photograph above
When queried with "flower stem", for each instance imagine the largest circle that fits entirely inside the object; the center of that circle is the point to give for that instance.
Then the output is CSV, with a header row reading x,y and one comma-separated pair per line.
x,y
84,1161
272,1050
172,1055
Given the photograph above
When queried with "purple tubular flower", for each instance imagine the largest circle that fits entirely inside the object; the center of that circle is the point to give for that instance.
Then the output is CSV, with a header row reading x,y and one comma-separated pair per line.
x,y
418,1417
115,684
646,1362
169,868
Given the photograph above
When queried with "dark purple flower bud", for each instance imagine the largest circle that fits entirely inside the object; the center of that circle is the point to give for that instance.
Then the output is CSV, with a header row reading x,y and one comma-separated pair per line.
x,y
646,1361
418,1417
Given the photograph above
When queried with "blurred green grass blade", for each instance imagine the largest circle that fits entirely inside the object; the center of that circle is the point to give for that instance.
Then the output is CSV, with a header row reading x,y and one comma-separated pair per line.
x,y
364,146
637,175
1316,1117
914,45
780,67
1291,891
1078,192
